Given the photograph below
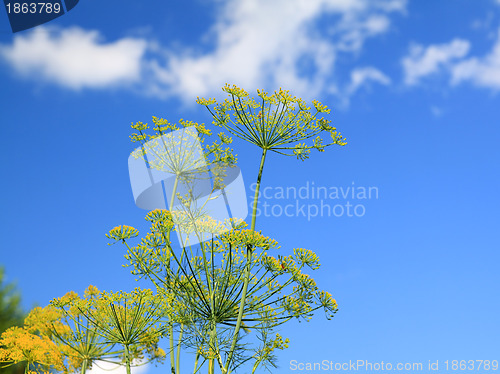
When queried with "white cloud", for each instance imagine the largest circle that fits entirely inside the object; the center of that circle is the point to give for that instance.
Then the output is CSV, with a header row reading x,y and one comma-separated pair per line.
x,y
260,43
256,44
75,58
353,32
482,72
361,76
422,62
394,5
102,367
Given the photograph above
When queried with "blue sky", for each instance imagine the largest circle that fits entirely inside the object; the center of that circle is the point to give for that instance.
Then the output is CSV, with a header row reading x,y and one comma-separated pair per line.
x,y
413,86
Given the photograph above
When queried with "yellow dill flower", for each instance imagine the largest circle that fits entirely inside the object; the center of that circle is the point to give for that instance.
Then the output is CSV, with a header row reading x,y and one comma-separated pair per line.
x,y
91,291
245,237
44,320
22,346
122,232
280,123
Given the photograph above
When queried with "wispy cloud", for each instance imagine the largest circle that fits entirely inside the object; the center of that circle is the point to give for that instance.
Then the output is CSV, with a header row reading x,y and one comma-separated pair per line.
x,y
451,59
256,44
261,43
362,76
424,61
480,71
75,58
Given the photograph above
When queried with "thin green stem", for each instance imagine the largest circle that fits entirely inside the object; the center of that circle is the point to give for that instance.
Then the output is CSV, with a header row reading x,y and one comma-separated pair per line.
x,y
257,189
248,261
171,340
127,358
174,190
84,366
196,362
178,359
211,347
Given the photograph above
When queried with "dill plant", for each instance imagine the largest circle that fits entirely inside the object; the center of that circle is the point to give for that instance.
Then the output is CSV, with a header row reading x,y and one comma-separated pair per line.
x,y
279,123
230,282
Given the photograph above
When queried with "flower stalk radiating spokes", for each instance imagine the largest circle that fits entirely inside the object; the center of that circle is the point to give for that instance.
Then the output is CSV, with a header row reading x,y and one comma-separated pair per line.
x,y
205,292
130,320
279,123
82,343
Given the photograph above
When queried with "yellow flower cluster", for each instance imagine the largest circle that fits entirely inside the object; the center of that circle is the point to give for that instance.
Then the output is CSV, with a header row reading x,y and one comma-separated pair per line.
x,y
45,321
153,240
284,96
244,237
162,125
91,291
266,97
271,264
305,281
159,215
206,353
139,126
328,301
297,307
209,225
234,90
283,129
224,138
122,232
307,257
20,345
203,101
320,107
66,299
279,343
160,353
200,127
137,138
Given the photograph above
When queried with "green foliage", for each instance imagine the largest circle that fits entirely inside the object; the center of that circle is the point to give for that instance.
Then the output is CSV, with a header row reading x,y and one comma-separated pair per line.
x,y
11,314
